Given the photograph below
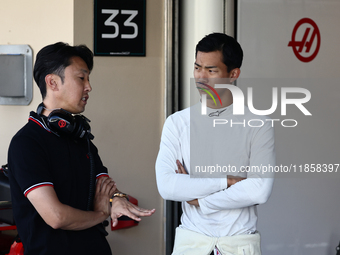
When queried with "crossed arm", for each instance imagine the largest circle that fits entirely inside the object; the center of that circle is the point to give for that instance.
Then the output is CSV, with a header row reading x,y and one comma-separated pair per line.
x,y
212,194
240,192
61,216
231,180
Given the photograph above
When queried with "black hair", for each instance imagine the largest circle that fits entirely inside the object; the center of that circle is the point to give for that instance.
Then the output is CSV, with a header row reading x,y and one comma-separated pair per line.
x,y
231,50
54,58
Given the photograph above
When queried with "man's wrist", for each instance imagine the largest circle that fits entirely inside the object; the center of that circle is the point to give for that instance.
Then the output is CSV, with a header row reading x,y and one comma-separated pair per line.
x,y
121,195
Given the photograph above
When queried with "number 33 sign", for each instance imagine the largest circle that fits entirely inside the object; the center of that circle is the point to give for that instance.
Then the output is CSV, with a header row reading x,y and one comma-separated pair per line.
x,y
119,27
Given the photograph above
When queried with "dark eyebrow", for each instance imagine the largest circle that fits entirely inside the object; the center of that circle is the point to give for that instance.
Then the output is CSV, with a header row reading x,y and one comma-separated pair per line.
x,y
206,67
83,71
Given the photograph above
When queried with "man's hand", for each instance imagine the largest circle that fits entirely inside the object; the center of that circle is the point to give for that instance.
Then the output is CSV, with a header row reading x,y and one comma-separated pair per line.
x,y
234,179
193,202
180,167
181,170
105,188
120,206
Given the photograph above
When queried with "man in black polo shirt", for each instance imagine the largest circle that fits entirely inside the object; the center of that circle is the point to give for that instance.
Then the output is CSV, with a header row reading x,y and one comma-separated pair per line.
x,y
60,189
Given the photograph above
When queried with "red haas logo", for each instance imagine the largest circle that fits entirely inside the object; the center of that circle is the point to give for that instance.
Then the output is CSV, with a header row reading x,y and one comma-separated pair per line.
x,y
62,123
306,43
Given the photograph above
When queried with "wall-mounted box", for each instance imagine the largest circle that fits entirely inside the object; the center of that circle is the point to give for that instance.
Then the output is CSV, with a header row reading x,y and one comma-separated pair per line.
x,y
16,79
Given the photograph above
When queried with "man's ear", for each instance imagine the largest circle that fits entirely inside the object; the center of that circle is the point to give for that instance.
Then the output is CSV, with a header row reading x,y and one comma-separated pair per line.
x,y
234,74
51,82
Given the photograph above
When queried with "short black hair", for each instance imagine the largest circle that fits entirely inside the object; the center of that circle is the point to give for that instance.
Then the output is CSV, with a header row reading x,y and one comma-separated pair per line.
x,y
231,50
54,58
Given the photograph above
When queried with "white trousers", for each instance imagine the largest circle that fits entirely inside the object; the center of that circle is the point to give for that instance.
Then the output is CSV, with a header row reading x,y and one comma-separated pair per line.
x,y
188,242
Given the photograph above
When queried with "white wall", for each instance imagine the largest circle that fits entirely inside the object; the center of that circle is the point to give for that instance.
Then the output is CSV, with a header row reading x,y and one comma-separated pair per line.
x,y
36,23
302,215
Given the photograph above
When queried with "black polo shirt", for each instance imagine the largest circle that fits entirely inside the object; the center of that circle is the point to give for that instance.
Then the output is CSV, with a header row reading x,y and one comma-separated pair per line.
x,y
37,157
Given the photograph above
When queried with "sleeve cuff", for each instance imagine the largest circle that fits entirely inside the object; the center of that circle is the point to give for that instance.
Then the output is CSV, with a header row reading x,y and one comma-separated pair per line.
x,y
102,175
33,187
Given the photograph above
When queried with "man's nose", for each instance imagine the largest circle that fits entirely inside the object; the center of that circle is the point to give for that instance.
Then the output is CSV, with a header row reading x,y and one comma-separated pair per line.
x,y
88,86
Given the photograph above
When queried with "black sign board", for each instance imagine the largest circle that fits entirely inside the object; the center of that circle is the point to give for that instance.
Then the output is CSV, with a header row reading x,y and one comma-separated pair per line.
x,y
119,27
